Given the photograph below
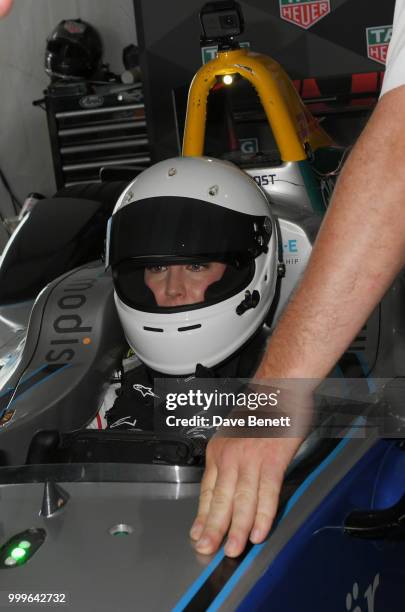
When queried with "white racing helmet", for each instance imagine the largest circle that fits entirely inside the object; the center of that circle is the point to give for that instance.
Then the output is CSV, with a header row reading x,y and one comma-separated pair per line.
x,y
192,210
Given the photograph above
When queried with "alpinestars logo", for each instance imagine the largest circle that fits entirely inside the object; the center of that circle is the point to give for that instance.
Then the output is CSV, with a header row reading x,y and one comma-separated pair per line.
x,y
124,421
144,391
304,13
378,39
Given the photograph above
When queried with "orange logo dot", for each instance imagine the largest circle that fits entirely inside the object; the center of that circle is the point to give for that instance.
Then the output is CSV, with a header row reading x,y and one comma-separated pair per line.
x,y
86,340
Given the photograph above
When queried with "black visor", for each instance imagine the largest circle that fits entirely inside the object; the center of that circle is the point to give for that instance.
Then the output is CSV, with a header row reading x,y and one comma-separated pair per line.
x,y
178,229
129,283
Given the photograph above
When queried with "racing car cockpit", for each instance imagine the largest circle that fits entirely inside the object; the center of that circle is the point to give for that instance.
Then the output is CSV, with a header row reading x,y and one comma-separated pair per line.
x,y
56,375
66,488
68,491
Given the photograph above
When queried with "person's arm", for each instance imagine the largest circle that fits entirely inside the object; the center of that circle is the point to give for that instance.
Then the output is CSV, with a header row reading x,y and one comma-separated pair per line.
x,y
359,251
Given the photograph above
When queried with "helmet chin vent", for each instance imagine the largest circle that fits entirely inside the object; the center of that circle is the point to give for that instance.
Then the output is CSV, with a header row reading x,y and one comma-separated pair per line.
x,y
153,329
189,327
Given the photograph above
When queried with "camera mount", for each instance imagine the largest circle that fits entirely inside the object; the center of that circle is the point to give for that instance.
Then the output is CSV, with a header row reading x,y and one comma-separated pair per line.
x,y
221,22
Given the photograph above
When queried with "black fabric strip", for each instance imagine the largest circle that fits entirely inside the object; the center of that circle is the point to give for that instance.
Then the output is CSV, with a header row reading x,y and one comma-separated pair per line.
x,y
215,583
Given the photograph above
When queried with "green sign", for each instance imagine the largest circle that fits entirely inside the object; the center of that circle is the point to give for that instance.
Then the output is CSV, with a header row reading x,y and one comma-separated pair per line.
x,y
249,145
209,53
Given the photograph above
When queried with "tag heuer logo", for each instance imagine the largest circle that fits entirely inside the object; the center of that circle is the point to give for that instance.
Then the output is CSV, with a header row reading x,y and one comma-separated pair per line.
x,y
304,13
378,39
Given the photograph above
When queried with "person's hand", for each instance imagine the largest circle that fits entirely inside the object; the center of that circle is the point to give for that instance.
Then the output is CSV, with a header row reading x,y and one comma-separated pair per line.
x,y
243,475
5,7
240,489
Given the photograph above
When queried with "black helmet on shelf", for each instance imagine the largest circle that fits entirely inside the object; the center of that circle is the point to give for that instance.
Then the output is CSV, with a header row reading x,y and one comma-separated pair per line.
x,y
73,50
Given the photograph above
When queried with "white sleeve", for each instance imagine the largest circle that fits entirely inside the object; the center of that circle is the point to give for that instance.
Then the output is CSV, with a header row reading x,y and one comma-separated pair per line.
x,y
395,70
100,420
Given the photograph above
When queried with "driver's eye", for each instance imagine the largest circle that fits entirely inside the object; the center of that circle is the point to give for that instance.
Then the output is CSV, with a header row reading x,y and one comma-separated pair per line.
x,y
156,269
198,267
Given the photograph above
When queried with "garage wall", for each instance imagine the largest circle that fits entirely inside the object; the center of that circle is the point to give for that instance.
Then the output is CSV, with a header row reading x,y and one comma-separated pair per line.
x,y
24,147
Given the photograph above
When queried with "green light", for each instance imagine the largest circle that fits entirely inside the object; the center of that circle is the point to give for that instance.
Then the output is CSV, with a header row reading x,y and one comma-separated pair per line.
x,y
18,553
24,544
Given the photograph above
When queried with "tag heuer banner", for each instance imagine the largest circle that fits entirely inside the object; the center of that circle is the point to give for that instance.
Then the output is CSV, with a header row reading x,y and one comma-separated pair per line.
x,y
378,39
304,13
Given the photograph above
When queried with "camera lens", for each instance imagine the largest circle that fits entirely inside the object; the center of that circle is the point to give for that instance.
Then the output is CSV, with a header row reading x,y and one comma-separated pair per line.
x,y
228,22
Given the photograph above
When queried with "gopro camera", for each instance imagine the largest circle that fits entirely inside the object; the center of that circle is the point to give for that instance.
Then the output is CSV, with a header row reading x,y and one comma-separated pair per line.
x,y
221,22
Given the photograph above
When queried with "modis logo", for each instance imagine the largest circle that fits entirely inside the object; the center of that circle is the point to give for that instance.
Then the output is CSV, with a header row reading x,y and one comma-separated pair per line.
x,y
378,39
68,325
304,13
